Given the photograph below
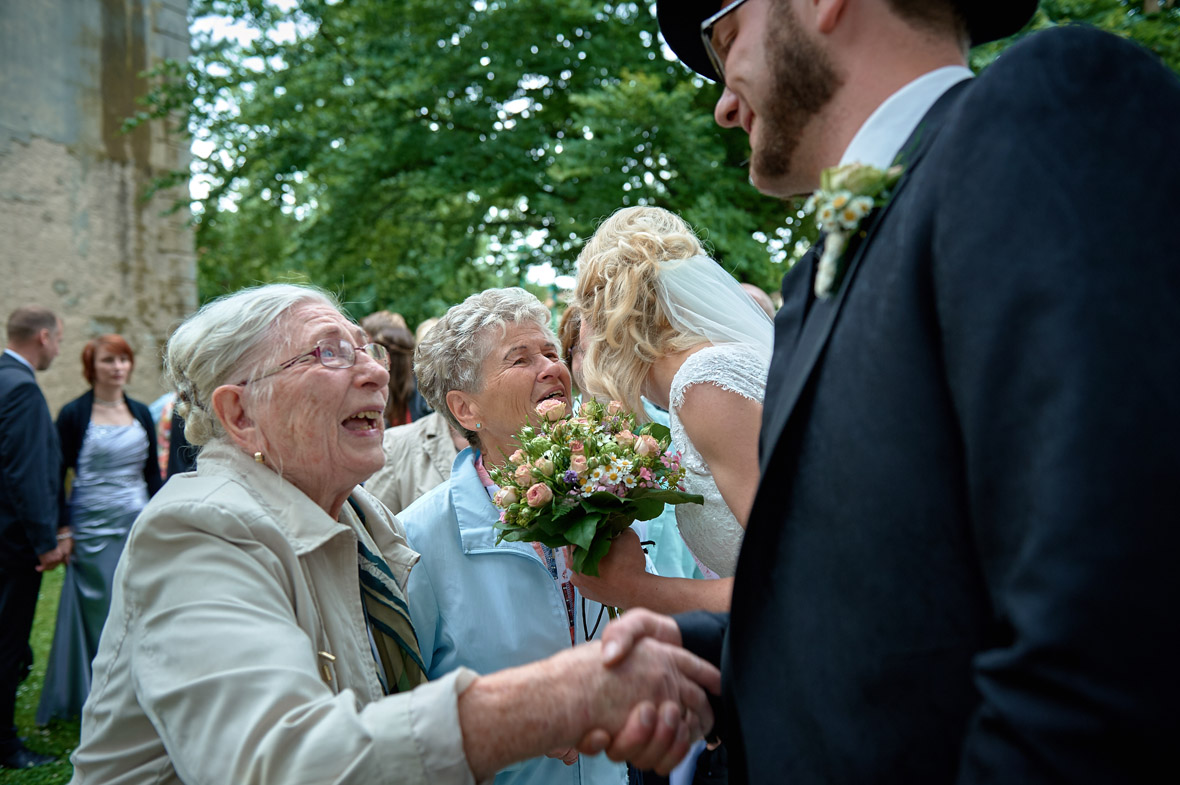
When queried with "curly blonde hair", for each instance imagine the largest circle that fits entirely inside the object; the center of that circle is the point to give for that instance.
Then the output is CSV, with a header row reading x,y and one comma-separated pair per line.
x,y
617,294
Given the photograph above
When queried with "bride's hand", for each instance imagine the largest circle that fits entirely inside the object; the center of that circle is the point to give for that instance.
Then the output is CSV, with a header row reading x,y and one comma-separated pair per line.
x,y
621,574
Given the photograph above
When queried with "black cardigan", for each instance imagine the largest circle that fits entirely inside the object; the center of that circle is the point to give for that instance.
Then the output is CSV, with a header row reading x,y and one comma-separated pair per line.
x,y
72,422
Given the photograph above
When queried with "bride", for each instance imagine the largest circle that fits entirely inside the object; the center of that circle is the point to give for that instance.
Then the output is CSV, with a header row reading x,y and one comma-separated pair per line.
x,y
663,321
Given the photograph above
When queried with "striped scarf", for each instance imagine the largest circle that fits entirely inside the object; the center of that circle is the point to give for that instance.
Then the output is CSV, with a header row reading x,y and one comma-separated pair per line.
x,y
389,621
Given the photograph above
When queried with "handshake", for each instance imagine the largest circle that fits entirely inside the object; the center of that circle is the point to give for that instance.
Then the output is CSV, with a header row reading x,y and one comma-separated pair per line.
x,y
636,695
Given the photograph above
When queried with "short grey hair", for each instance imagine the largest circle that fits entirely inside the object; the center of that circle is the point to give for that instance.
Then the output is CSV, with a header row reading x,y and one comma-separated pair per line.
x,y
225,342
450,356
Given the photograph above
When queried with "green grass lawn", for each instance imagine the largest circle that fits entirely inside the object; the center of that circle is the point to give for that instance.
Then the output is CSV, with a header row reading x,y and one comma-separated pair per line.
x,y
59,738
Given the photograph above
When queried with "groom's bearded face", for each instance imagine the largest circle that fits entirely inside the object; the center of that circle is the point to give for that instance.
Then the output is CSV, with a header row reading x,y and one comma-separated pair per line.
x,y
802,82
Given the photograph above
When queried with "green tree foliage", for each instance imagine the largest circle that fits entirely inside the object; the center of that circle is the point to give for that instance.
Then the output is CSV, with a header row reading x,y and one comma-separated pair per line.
x,y
406,154
1154,24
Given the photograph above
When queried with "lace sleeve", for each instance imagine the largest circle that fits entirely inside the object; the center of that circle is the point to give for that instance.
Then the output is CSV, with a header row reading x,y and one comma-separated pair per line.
x,y
732,367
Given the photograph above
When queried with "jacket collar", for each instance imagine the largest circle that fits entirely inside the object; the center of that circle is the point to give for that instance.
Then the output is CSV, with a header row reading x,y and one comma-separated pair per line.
x,y
474,512
304,522
18,359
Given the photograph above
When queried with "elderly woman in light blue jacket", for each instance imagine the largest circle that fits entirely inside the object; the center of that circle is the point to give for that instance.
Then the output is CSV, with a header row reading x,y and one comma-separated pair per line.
x,y
486,365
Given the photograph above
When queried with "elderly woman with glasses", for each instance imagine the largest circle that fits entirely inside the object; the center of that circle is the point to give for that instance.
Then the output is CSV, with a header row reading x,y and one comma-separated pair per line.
x,y
485,367
259,629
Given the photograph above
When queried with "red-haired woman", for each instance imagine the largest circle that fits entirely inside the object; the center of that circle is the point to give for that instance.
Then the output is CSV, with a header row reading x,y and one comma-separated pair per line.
x,y
109,442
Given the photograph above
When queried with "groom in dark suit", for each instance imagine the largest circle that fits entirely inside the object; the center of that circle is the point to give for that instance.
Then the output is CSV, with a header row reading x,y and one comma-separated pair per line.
x,y
30,463
963,563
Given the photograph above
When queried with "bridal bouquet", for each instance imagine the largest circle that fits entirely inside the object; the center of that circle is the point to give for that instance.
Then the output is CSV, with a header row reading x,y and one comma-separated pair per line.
x,y
581,479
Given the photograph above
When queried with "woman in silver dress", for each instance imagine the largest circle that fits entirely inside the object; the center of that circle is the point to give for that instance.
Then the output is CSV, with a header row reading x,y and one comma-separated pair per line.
x,y
109,442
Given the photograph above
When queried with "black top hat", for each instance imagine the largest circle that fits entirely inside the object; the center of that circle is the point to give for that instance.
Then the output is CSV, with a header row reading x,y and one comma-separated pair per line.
x,y
680,22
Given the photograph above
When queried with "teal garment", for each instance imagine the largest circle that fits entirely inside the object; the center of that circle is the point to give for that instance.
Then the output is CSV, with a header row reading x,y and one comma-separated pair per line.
x,y
107,494
671,557
490,607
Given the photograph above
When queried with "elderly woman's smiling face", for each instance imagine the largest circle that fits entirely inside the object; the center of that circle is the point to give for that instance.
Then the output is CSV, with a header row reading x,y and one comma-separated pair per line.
x,y
321,427
519,370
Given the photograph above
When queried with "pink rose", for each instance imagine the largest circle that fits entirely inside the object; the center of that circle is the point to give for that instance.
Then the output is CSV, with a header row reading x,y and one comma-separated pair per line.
x,y
517,457
578,464
523,474
551,409
544,466
614,407
576,447
625,438
539,495
646,446
506,497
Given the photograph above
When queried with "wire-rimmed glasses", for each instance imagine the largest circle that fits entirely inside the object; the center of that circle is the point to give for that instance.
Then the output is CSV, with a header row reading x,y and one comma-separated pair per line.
x,y
332,353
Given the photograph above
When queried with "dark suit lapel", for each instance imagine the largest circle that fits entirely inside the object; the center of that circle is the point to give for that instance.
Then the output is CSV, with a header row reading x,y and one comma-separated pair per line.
x,y
819,316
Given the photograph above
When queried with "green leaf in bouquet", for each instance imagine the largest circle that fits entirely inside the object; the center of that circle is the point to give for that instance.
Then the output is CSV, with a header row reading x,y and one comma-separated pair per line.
x,y
594,554
666,496
566,506
641,509
602,501
657,431
581,533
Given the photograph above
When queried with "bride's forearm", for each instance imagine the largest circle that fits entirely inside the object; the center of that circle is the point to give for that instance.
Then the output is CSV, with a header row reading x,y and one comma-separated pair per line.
x,y
677,595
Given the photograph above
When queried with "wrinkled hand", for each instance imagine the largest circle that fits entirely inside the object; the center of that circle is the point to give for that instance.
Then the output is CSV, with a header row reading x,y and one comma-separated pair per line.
x,y
621,635
659,729
568,756
650,738
621,574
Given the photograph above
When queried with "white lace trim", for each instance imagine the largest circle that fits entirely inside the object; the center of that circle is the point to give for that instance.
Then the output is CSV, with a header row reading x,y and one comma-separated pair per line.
x,y
711,531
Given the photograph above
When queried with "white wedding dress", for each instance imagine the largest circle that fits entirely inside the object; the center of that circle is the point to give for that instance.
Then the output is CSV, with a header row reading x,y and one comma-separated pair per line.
x,y
710,530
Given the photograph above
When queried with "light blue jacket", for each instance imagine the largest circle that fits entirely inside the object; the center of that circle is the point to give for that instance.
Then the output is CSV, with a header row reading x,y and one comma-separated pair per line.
x,y
490,607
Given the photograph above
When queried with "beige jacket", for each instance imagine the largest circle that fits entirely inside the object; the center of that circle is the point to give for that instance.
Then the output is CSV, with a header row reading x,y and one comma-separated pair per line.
x,y
236,649
418,456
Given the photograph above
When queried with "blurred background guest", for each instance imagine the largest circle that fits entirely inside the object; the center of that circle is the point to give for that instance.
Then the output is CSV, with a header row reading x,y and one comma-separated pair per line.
x,y
418,456
761,297
419,408
399,343
108,441
477,604
175,453
378,319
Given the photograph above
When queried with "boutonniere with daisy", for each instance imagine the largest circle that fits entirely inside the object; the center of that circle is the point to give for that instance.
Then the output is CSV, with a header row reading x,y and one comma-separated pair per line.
x,y
847,194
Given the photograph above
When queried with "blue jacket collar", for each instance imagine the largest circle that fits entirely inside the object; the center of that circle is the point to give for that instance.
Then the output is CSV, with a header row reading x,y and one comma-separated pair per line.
x,y
475,514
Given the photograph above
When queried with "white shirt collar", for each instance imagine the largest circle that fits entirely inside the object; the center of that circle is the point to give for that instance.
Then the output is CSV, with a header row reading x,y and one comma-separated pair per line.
x,y
28,364
882,135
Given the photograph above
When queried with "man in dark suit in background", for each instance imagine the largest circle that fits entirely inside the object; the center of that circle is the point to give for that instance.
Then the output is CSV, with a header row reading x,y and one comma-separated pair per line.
x,y
30,543
963,563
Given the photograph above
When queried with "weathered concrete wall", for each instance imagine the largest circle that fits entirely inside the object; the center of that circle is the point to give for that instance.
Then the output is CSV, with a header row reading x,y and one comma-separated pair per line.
x,y
75,232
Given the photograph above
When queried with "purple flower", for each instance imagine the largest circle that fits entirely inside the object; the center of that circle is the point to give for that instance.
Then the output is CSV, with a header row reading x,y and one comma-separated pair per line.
x,y
570,476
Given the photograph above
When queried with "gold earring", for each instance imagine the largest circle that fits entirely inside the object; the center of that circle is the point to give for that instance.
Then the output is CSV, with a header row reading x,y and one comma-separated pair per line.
x,y
259,458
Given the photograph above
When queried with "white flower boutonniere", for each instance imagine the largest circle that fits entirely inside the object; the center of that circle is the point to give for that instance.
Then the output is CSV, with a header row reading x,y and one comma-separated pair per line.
x,y
847,194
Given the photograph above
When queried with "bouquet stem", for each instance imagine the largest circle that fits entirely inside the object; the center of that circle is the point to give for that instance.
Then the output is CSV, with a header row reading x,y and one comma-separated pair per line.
x,y
612,612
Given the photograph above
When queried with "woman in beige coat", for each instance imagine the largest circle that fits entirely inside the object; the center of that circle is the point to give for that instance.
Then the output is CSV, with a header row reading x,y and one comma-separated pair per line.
x,y
258,630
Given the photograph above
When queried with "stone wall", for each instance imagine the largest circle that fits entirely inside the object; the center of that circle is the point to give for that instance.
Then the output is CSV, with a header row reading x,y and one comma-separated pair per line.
x,y
76,234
